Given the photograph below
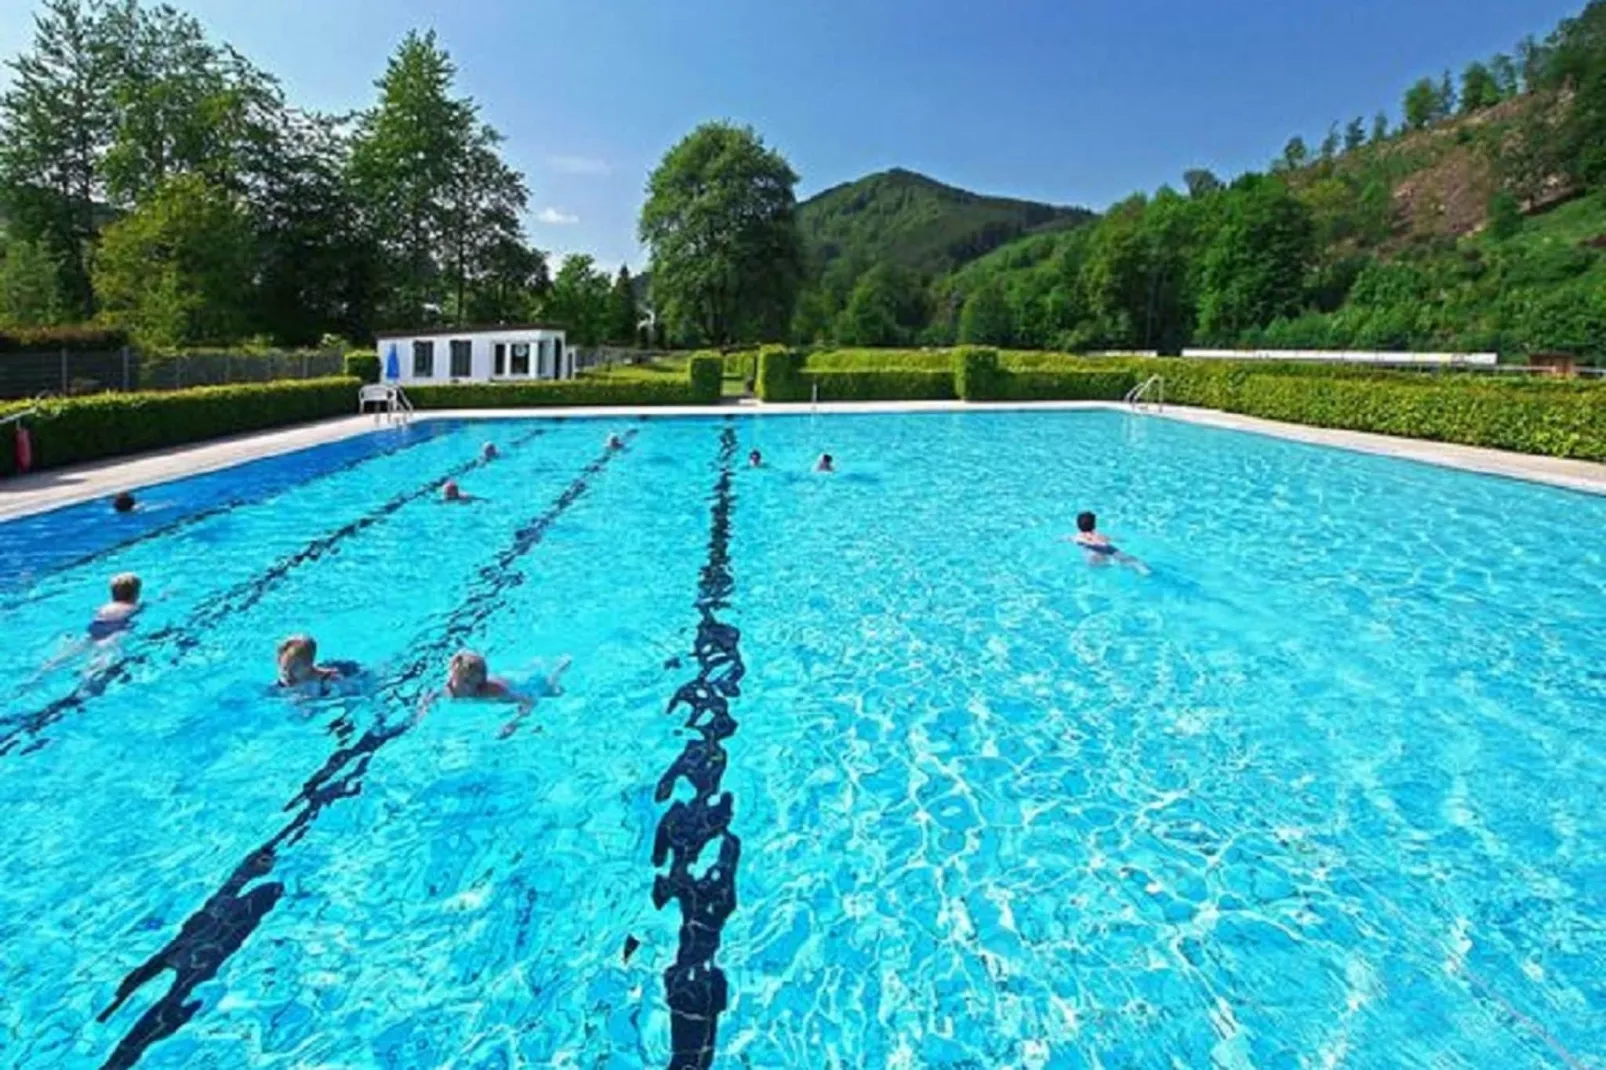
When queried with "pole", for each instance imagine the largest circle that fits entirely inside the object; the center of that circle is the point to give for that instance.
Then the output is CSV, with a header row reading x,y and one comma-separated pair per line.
x,y
64,372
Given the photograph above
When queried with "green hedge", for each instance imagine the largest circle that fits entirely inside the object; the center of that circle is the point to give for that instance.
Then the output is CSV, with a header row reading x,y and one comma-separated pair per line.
x,y
780,374
363,365
742,364
699,386
897,385
72,430
77,338
976,373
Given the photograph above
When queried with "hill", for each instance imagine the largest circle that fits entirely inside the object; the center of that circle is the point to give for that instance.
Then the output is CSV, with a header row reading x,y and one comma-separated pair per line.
x,y
909,221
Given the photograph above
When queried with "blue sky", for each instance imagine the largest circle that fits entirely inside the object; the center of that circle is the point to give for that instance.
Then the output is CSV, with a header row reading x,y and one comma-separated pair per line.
x,y
1069,101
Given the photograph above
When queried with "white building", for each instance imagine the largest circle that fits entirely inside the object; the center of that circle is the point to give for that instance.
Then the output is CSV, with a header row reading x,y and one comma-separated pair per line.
x,y
513,354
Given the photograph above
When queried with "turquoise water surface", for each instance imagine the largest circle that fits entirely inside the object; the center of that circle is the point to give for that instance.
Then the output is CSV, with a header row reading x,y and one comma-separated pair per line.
x,y
869,769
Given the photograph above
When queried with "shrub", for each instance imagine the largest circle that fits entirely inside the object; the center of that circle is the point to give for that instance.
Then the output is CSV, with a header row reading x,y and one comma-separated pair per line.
x,y
976,373
363,365
705,373
78,338
896,385
550,393
779,377
742,364
72,430
1068,385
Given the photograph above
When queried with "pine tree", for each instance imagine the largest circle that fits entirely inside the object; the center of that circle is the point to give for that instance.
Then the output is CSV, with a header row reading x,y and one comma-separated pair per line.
x,y
623,316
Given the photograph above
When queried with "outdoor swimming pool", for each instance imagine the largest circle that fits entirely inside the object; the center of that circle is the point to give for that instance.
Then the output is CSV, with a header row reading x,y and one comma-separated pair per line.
x,y
1324,789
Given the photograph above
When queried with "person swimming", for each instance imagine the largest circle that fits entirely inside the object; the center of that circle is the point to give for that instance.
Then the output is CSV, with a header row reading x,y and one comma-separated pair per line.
x,y
755,459
117,616
451,492
298,665
826,463
468,676
614,442
488,452
1098,547
124,502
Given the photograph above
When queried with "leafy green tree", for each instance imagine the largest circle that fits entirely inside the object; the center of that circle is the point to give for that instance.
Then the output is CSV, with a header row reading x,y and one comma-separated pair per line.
x,y
1380,128
1295,154
509,282
1116,275
1479,89
1422,107
1330,143
1254,267
1200,182
871,317
986,318
813,317
1445,93
1504,71
580,300
623,315
1354,134
176,270
721,223
56,124
1505,215
1574,60
30,283
431,186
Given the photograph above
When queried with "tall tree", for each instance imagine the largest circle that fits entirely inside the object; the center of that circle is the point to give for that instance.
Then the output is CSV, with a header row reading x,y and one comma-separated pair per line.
x,y
623,314
721,222
1479,89
1354,134
1380,128
986,318
1506,77
1446,97
1421,104
1295,154
1254,267
30,281
56,124
1200,182
176,270
430,185
580,300
1330,143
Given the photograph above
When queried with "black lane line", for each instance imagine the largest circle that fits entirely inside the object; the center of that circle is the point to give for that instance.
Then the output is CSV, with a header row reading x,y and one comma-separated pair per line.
x,y
229,916
187,635
694,986
181,523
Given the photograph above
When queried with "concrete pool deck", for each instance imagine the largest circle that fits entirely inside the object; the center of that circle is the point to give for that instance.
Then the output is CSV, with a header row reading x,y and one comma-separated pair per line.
x,y
54,488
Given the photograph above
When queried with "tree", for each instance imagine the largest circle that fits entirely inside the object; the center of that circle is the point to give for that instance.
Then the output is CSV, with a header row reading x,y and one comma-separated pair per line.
x,y
1295,154
1446,97
1380,128
1421,104
432,188
623,315
1506,77
886,308
580,300
721,223
30,282
1505,215
1200,182
1330,143
176,270
56,122
1254,267
986,318
1354,134
1479,89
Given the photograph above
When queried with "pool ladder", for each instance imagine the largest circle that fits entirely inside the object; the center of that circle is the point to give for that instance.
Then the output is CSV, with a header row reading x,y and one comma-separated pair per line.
x,y
1150,391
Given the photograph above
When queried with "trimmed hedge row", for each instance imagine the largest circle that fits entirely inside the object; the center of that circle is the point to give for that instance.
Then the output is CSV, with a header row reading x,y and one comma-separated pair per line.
x,y
71,430
699,386
362,365
80,338
789,375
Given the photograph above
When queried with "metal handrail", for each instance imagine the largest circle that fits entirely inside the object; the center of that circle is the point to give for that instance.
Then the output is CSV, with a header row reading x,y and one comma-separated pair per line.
x,y
1139,394
14,417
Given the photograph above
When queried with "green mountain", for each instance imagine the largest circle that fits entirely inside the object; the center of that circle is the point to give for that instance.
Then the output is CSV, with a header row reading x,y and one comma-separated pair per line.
x,y
906,220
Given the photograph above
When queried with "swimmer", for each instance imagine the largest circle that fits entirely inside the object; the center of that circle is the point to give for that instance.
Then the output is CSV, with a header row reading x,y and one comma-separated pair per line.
x,y
1100,550
451,492
488,452
826,463
614,442
469,677
755,459
116,616
124,502
298,665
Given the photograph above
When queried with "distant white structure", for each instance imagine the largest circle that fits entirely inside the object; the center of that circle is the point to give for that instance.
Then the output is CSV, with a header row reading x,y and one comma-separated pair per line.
x,y
512,354
1334,356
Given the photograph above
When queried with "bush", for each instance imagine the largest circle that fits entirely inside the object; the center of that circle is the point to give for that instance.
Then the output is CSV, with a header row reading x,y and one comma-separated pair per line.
x,y
705,373
78,338
779,375
1069,385
363,365
742,364
896,385
71,430
556,392
976,373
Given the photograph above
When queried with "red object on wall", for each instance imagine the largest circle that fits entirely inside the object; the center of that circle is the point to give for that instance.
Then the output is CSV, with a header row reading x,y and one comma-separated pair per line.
x,y
24,448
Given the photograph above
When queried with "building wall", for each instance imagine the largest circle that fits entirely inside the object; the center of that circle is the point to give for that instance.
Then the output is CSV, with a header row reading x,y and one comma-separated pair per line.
x,y
482,348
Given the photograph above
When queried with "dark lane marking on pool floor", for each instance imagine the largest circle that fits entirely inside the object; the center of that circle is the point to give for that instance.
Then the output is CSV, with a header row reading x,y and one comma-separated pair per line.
x,y
209,612
207,938
174,526
694,986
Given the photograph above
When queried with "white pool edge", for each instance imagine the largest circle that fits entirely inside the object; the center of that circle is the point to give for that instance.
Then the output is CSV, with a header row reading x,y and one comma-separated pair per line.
x,y
55,488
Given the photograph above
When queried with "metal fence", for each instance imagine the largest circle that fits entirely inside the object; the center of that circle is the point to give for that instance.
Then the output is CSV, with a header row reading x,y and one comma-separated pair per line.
x,y
64,372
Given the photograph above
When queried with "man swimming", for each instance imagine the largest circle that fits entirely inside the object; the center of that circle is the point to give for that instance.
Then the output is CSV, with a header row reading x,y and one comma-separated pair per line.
x,y
488,452
124,502
755,459
469,677
614,442
451,492
299,669
826,463
1100,550
116,616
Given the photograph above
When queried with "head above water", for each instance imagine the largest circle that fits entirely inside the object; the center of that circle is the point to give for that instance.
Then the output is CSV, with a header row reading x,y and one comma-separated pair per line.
x,y
125,588
755,458
1086,522
450,491
297,657
466,671
826,463
488,451
614,441
124,502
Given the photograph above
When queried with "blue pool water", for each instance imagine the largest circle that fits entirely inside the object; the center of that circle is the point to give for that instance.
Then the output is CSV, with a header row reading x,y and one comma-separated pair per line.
x,y
1327,788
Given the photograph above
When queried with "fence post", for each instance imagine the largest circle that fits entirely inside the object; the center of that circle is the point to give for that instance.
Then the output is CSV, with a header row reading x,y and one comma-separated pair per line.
x,y
125,370
64,372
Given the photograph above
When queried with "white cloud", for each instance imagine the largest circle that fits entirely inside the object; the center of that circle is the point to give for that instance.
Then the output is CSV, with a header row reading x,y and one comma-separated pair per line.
x,y
577,165
556,217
